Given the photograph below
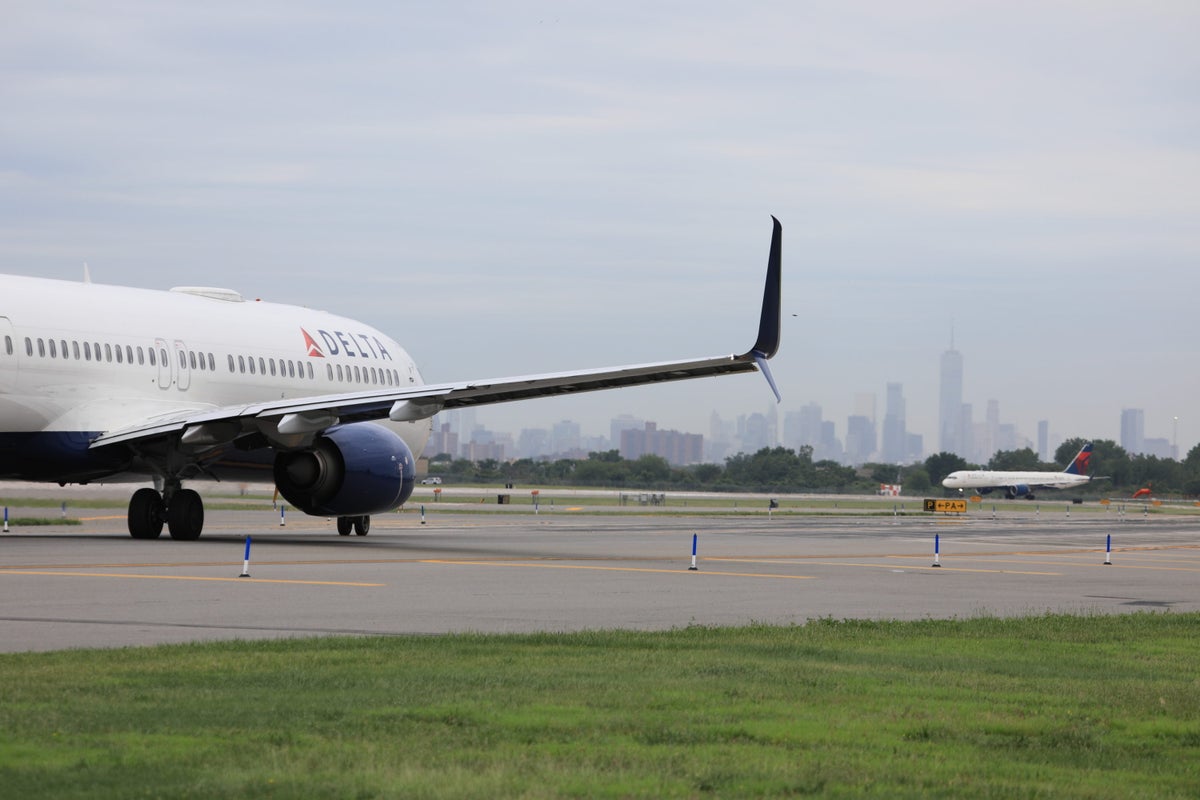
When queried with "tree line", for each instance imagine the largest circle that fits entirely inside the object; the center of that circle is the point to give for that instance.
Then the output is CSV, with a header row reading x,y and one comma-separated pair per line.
x,y
779,469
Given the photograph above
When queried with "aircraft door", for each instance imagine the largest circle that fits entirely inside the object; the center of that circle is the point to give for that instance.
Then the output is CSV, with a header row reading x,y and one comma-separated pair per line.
x,y
183,376
9,353
163,359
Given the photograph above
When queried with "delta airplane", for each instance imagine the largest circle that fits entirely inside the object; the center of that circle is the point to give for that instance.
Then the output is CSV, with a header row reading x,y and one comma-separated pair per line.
x,y
1023,484
108,383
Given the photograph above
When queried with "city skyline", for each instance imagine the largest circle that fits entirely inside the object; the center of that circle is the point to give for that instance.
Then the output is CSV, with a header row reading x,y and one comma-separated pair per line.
x,y
831,434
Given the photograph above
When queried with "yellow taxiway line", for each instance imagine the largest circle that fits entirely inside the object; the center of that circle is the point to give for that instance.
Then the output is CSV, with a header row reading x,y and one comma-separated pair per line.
x,y
55,573
611,569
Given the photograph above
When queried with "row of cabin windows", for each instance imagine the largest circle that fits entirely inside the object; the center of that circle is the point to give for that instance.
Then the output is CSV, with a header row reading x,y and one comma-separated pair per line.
x,y
60,348
385,377
88,351
257,365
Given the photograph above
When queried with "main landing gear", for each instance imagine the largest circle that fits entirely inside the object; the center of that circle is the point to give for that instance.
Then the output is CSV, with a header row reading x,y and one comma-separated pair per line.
x,y
360,525
181,509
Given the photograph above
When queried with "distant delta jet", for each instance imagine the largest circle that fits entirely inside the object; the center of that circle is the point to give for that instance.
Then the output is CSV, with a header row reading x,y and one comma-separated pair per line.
x,y
108,383
1022,484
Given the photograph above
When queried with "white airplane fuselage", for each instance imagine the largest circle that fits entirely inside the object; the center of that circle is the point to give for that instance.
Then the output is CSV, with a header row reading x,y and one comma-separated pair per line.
x,y
80,359
991,479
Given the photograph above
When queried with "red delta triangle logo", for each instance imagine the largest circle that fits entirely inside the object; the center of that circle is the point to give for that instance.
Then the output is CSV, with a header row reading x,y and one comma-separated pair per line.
x,y
313,350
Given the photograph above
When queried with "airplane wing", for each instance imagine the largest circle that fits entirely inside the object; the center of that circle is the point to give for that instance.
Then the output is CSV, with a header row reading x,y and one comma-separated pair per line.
x,y
291,420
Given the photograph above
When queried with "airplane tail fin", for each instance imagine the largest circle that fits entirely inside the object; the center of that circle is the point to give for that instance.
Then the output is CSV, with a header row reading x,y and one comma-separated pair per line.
x,y
1079,464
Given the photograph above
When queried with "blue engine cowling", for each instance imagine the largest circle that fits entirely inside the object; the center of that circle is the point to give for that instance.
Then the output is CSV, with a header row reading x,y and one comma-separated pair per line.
x,y
1020,490
349,471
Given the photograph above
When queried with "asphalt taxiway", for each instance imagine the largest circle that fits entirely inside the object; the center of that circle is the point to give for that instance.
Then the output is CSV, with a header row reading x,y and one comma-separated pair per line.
x,y
91,585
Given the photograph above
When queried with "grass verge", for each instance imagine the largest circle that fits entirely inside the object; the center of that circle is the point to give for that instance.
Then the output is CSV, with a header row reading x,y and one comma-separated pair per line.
x,y
1050,706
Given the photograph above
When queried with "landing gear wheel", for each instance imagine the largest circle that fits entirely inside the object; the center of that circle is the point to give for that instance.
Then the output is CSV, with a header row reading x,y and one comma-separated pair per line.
x,y
344,524
185,515
145,514
362,525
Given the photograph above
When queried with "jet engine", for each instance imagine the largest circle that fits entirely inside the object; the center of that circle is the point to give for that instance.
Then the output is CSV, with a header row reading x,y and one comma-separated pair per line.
x,y
350,470
1019,490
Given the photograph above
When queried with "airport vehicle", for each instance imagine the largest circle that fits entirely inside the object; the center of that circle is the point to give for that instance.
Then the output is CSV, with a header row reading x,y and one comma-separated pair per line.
x,y
115,383
434,481
1023,484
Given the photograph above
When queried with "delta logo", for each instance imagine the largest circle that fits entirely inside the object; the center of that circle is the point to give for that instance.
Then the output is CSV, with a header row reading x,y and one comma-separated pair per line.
x,y
345,345
314,351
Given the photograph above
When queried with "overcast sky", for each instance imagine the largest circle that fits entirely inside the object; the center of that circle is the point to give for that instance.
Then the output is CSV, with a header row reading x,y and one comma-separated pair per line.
x,y
513,187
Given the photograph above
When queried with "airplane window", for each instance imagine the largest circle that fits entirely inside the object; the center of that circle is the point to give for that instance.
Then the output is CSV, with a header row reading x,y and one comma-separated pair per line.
x,y
291,369
152,359
8,344
329,370
128,354
262,365
308,366
53,349
41,348
191,358
201,361
241,364
87,352
162,356
75,349
271,366
120,356
141,355
251,360
65,353
230,357
339,372
212,363
28,346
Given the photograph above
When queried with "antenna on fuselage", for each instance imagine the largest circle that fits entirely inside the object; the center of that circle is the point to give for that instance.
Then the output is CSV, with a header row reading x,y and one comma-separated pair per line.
x,y
87,273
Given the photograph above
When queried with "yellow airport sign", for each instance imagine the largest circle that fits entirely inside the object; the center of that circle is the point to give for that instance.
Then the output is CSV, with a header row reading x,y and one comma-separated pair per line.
x,y
946,506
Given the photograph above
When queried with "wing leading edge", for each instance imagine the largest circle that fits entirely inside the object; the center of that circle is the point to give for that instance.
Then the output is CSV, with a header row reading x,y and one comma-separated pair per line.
x,y
305,416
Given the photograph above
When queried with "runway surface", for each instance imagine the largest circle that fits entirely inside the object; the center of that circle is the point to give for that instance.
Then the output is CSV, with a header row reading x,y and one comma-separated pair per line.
x,y
94,586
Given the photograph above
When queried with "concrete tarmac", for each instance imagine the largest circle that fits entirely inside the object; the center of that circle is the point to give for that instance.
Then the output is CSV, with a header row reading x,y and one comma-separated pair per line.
x,y
93,586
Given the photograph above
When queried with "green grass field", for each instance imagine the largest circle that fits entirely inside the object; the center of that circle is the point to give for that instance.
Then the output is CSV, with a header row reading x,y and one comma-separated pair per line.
x,y
1051,706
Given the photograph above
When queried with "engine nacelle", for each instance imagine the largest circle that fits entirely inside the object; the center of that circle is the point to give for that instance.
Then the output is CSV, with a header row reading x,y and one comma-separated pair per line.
x,y
349,471
1019,490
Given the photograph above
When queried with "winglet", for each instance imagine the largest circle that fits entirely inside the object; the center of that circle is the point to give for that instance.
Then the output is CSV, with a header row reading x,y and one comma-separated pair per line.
x,y
768,323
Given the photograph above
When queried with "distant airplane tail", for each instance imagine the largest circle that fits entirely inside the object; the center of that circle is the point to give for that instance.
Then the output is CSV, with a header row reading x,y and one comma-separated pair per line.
x,y
1079,465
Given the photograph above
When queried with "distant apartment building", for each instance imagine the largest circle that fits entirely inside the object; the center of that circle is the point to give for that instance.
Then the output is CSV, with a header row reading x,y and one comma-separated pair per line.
x,y
679,449
442,441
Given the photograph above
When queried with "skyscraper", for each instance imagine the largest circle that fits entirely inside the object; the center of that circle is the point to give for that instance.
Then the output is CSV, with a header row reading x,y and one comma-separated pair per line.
x,y
950,418
895,435
1133,430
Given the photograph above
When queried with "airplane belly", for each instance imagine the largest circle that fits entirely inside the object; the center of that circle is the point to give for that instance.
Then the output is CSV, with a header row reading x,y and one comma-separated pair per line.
x,y
60,456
